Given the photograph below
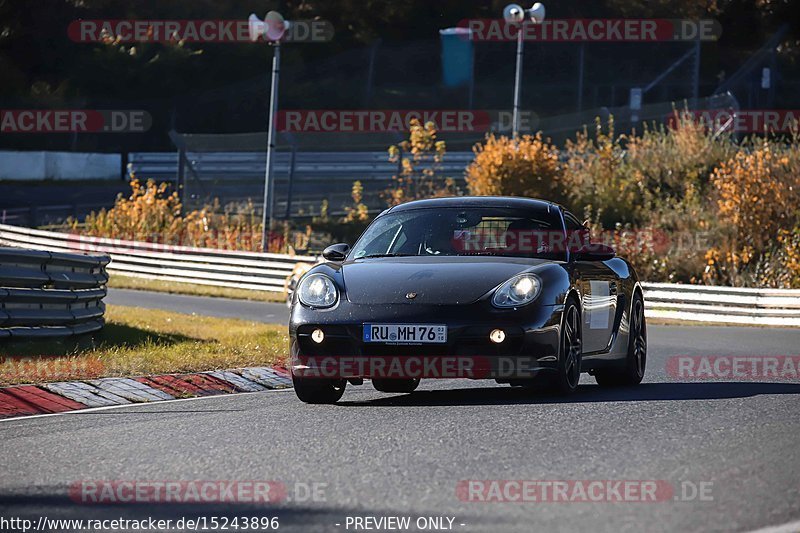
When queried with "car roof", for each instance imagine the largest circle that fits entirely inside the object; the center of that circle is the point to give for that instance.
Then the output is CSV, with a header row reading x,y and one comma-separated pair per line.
x,y
516,202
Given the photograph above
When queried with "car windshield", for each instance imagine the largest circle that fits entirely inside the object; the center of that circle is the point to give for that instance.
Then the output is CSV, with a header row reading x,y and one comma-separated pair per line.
x,y
468,231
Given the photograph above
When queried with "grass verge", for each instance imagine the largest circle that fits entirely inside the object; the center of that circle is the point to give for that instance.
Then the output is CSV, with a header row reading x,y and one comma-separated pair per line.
x,y
175,287
142,341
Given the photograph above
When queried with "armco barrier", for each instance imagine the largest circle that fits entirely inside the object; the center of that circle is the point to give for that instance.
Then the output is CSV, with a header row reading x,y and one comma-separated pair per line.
x,y
201,266
50,294
701,303
268,272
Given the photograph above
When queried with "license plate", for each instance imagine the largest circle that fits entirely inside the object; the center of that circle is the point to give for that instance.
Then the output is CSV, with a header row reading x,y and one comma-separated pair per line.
x,y
406,333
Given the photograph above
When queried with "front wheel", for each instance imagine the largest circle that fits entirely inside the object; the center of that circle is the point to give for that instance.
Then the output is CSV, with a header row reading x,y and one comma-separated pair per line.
x,y
395,385
633,371
318,390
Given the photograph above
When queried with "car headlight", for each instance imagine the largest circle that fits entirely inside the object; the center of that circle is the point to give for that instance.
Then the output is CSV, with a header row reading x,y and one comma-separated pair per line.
x,y
317,290
519,290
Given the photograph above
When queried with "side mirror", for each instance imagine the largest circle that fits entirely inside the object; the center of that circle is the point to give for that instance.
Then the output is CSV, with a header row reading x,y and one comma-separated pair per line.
x,y
336,252
594,252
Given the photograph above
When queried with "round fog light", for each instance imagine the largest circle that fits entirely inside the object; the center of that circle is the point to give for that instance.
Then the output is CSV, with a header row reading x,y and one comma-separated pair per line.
x,y
317,336
497,336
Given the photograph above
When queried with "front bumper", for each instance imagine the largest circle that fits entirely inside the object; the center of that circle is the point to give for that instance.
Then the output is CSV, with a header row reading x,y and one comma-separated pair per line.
x,y
531,344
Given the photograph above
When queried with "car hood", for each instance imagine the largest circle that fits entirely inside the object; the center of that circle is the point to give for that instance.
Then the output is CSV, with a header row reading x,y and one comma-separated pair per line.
x,y
435,280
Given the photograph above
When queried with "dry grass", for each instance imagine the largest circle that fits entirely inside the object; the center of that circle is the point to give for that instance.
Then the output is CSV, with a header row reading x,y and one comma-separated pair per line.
x,y
175,287
138,342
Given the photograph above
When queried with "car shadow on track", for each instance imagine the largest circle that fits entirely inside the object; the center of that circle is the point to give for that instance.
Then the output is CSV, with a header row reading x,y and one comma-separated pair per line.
x,y
647,392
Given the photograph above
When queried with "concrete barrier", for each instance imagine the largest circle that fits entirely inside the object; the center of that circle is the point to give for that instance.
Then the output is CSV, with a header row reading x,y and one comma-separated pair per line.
x,y
37,166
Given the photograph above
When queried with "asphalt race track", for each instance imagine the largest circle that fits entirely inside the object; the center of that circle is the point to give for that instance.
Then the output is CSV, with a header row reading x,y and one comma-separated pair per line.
x,y
403,455
268,312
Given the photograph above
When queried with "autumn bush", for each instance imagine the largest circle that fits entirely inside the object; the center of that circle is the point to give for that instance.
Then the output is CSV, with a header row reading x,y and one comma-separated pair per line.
x,y
150,210
524,166
671,163
671,166
757,198
597,179
779,267
153,213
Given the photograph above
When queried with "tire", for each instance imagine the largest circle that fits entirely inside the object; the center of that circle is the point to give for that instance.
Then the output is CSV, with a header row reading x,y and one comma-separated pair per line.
x,y
395,385
570,351
318,390
635,362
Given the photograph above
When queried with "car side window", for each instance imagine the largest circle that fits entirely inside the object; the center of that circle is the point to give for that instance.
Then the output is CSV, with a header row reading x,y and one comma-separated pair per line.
x,y
572,222
577,234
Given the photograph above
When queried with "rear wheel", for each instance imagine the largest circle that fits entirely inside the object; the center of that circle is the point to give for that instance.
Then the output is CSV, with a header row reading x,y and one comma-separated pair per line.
x,y
636,360
571,351
395,385
318,390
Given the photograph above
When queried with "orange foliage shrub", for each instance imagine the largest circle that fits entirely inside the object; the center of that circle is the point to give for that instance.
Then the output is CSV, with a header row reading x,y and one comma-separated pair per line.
x,y
757,194
676,161
525,166
597,178
780,266
152,213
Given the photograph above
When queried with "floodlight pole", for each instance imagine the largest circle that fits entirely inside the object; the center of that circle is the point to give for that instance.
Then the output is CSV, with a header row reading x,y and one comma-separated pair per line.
x,y
266,221
517,83
514,13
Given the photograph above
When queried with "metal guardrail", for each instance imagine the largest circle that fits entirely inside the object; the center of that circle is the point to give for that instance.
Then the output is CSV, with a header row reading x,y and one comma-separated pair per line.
x,y
201,266
50,294
311,167
701,303
269,272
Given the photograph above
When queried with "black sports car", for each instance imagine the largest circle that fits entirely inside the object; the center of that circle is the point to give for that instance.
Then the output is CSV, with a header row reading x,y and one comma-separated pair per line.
x,y
476,287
